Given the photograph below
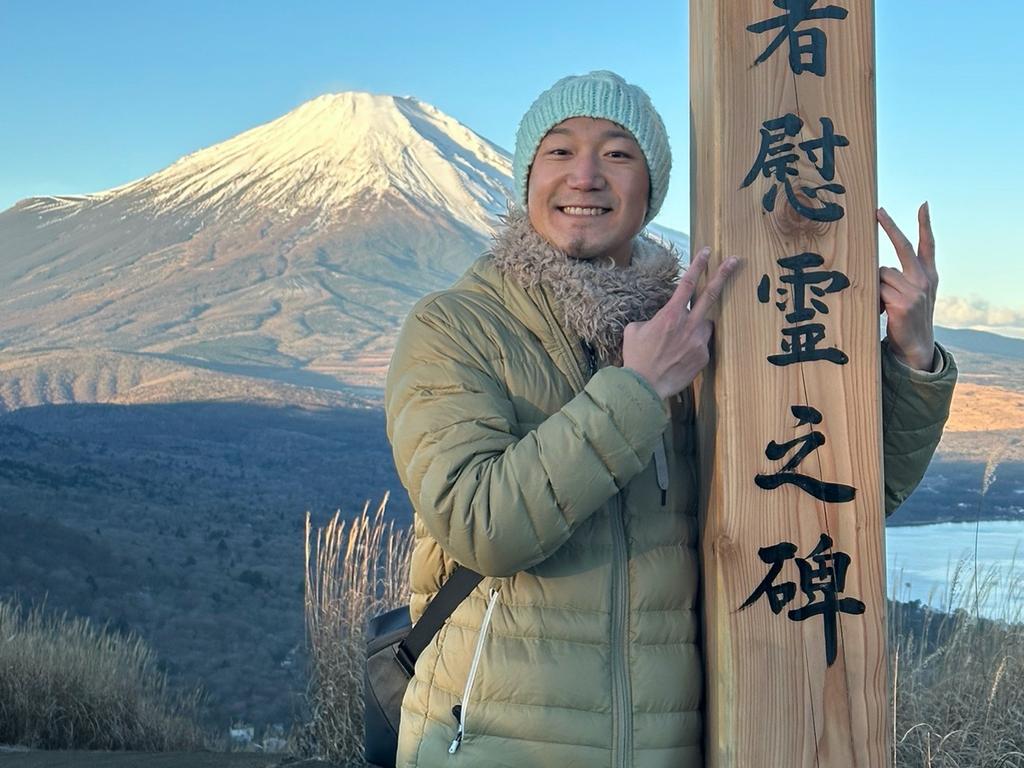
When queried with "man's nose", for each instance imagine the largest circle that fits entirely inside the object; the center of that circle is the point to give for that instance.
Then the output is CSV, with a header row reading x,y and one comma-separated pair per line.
x,y
586,173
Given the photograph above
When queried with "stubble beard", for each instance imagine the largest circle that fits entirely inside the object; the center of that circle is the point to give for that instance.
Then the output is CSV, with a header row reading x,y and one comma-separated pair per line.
x,y
578,249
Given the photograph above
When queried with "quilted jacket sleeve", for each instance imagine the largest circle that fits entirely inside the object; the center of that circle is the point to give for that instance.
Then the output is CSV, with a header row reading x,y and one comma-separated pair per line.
x,y
915,406
495,501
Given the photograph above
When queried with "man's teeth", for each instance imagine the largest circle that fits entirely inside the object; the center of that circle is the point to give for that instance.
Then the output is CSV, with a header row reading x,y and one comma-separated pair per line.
x,y
574,211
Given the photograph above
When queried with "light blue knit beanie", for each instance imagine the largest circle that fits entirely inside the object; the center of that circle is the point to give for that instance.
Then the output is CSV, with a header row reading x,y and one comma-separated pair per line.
x,y
601,94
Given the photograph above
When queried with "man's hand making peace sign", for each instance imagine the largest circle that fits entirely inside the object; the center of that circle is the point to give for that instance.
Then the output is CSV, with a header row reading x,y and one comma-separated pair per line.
x,y
908,297
671,348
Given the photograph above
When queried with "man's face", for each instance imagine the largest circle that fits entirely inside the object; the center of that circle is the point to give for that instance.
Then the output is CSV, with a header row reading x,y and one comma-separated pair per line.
x,y
588,189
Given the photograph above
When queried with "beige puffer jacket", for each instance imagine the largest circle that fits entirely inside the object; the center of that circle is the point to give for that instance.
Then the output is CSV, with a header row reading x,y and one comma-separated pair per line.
x,y
572,490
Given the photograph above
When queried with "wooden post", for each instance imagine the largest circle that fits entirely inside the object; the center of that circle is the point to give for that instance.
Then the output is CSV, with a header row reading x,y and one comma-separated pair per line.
x,y
784,175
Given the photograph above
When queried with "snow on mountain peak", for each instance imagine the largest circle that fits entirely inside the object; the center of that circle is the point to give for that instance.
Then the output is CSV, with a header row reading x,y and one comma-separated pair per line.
x,y
334,151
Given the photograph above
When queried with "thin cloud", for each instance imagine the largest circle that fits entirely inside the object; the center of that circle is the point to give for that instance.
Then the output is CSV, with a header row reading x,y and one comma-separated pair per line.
x,y
959,312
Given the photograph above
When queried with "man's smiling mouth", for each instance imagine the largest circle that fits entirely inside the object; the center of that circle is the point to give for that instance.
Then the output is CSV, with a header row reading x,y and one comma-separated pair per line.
x,y
573,210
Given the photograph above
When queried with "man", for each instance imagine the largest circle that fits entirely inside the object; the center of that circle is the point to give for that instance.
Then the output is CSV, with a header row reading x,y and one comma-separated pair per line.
x,y
541,417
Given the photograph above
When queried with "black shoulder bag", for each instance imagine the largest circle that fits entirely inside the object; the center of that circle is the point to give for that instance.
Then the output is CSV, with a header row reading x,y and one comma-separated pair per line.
x,y
392,647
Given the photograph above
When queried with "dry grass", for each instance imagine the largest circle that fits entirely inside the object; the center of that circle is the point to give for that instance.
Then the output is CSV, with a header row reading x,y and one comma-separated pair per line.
x,y
958,680
353,573
65,684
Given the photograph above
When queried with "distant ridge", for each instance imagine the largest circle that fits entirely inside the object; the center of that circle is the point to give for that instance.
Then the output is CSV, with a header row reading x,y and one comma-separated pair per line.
x,y
982,342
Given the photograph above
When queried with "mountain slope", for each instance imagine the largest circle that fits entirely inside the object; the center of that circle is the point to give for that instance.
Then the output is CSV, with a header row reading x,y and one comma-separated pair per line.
x,y
289,253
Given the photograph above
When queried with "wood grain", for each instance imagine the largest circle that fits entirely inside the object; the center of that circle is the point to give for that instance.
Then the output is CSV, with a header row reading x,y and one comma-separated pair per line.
x,y
772,700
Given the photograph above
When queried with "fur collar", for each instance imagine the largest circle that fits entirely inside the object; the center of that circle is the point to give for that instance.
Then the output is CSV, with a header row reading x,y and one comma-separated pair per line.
x,y
595,299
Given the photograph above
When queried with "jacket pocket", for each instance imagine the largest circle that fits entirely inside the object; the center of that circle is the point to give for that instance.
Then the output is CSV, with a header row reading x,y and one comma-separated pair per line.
x,y
462,709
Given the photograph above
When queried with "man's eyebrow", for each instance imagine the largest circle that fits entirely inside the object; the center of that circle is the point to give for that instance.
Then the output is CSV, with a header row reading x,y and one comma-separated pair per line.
x,y
611,133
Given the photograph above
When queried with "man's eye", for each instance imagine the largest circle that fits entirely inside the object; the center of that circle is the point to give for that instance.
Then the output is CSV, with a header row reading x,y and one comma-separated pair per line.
x,y
618,154
558,151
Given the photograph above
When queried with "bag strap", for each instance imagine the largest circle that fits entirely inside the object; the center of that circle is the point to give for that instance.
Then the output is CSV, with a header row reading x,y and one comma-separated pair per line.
x,y
452,593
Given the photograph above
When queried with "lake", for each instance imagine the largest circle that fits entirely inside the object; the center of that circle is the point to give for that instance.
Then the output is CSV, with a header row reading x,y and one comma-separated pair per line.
x,y
923,560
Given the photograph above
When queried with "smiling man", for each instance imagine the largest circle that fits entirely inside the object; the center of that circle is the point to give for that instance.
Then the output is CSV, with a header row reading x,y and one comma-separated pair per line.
x,y
589,189
541,417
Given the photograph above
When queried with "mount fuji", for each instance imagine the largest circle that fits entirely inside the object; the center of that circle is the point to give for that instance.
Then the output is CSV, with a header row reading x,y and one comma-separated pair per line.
x,y
276,265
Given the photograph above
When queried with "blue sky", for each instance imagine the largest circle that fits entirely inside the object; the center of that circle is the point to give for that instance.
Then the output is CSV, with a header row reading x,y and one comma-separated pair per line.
x,y
93,95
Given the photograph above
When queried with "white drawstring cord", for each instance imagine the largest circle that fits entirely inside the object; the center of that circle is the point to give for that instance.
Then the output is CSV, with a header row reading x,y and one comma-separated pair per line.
x,y
457,741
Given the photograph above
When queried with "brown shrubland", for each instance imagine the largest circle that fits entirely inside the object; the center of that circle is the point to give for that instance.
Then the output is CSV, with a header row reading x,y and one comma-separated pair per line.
x,y
66,684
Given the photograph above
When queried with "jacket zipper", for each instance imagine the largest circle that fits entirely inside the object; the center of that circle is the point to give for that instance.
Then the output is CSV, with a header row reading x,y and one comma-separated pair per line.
x,y
622,731
471,677
661,468
575,372
622,706
591,353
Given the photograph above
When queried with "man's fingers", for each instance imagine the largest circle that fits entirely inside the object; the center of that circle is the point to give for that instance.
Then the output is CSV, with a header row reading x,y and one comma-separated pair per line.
x,y
713,290
688,282
895,279
904,248
926,240
888,295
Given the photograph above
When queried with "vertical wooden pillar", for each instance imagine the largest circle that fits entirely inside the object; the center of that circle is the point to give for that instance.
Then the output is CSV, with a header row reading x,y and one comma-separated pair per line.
x,y
784,175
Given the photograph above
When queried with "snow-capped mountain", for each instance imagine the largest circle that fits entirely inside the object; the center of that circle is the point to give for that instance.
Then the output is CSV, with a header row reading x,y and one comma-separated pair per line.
x,y
334,152
289,253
